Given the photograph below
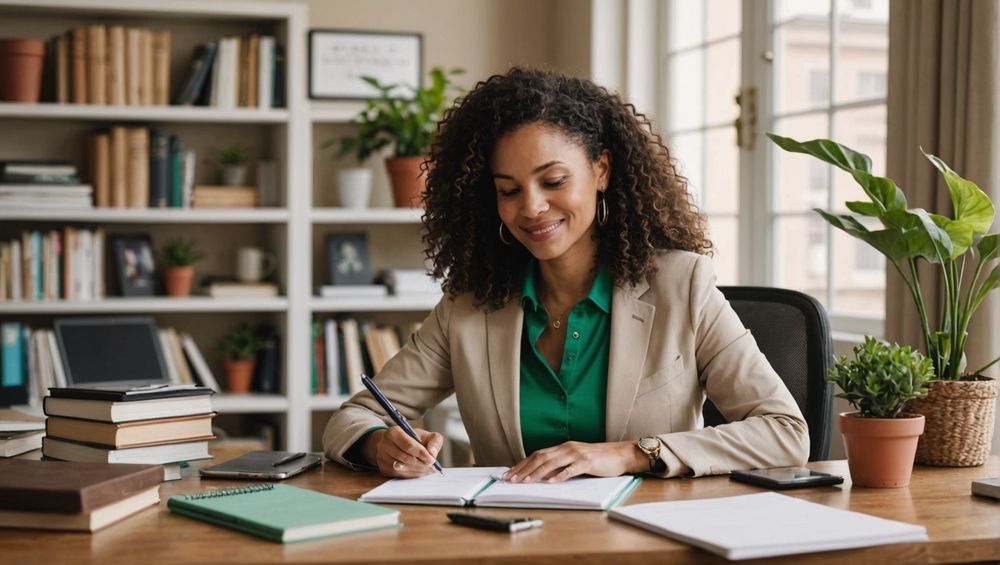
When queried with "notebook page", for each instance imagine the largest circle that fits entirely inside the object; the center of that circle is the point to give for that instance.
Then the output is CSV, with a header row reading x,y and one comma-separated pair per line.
x,y
594,493
454,488
765,525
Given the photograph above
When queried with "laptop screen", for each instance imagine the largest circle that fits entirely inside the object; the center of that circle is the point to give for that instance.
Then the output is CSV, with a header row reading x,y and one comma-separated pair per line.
x,y
110,351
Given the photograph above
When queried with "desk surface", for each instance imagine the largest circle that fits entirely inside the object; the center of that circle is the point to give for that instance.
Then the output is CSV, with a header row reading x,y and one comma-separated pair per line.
x,y
961,527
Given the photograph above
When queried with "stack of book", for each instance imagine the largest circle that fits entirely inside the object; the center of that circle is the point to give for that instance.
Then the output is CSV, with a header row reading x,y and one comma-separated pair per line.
x,y
42,184
411,281
224,197
168,426
53,495
236,289
19,433
53,265
235,72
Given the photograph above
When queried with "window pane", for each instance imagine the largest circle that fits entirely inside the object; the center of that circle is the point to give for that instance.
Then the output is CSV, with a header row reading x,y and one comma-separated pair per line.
x,y
786,10
802,62
863,130
722,231
723,17
686,90
862,50
688,151
687,24
800,254
858,276
722,179
722,65
801,182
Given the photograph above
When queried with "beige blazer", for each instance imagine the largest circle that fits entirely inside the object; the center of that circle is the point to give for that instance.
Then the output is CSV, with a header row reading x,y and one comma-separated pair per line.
x,y
674,339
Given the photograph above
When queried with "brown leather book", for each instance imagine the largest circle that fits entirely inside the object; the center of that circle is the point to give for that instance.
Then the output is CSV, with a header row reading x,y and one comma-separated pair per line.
x,y
137,167
161,67
79,71
133,66
67,487
146,67
97,55
100,168
131,434
119,155
116,65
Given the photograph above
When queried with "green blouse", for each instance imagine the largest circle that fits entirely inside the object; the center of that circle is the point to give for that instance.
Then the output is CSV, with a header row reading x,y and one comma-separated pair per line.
x,y
568,405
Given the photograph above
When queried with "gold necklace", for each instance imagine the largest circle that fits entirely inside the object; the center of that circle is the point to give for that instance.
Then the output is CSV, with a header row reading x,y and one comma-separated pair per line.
x,y
558,321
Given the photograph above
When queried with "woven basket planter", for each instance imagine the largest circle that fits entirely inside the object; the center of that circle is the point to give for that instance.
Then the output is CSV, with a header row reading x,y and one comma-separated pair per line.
x,y
959,429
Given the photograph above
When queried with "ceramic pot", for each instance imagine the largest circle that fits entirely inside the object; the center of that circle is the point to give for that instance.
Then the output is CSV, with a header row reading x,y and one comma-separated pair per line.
x,y
354,187
408,181
239,375
234,175
178,281
21,69
880,450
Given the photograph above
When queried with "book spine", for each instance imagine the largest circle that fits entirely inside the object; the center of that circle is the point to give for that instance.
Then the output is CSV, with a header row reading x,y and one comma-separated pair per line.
x,y
4,274
146,95
100,167
119,155
13,354
159,171
62,69
264,58
16,271
69,250
116,65
133,66
96,63
161,67
137,167
176,172
79,65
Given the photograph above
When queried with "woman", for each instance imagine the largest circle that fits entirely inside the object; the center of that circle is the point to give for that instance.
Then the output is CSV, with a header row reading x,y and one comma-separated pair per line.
x,y
581,328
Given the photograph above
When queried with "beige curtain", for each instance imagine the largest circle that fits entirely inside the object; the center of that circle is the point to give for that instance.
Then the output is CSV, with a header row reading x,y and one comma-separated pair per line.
x,y
944,92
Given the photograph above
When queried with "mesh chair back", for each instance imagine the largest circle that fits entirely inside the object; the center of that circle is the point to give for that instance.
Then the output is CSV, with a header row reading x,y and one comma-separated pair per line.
x,y
793,333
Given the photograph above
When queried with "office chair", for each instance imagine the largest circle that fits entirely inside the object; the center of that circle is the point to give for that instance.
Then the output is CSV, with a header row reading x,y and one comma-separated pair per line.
x,y
793,333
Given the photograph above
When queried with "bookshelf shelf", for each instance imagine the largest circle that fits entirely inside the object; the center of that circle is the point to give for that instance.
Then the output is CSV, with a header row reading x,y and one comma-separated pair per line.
x,y
366,215
115,305
249,403
324,402
419,303
155,114
153,216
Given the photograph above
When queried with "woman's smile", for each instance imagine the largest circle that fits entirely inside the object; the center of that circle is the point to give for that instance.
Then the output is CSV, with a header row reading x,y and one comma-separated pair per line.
x,y
543,231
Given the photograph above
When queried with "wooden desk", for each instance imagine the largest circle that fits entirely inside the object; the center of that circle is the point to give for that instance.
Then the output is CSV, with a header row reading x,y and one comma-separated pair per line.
x,y
961,528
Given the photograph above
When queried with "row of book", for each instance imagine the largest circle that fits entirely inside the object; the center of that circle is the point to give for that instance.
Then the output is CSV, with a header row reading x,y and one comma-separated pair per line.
x,y
235,72
343,349
138,167
53,265
100,64
42,184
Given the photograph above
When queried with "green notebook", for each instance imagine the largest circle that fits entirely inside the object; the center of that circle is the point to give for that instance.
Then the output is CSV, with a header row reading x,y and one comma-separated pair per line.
x,y
283,513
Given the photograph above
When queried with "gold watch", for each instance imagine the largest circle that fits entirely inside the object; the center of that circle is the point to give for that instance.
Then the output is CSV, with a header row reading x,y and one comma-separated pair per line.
x,y
650,445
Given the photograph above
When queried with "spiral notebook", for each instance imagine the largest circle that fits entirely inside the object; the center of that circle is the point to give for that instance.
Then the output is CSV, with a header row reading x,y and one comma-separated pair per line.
x,y
283,513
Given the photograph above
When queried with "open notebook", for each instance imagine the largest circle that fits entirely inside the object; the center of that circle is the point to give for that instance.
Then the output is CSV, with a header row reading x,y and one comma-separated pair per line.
x,y
767,524
477,486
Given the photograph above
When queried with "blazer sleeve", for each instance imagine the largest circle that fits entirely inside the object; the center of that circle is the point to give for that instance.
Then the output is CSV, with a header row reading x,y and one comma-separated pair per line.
x,y
416,379
766,427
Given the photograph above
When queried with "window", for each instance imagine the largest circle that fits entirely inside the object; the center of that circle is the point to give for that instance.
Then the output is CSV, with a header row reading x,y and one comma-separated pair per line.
x,y
823,75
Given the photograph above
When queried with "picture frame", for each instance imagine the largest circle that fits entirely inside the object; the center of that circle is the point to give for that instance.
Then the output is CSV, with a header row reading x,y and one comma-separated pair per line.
x,y
338,59
135,267
348,261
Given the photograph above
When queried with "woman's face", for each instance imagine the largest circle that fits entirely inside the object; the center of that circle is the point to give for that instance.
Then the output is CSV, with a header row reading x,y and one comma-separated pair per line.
x,y
547,191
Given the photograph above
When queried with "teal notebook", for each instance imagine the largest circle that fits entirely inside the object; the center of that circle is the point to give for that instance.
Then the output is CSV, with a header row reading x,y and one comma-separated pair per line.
x,y
283,513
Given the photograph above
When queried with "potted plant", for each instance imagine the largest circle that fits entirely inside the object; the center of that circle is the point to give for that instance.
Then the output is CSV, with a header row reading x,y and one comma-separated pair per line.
x,y
354,184
233,161
179,255
880,438
958,399
240,346
406,118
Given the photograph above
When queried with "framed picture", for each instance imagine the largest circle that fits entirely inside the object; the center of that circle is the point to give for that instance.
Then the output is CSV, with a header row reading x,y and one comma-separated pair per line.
x,y
339,58
347,259
135,269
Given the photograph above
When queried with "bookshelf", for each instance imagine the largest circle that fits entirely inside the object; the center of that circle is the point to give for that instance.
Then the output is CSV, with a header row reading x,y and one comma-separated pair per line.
x,y
295,229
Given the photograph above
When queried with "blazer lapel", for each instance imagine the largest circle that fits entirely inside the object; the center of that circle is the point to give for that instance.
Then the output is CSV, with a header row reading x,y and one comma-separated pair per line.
x,y
503,343
631,323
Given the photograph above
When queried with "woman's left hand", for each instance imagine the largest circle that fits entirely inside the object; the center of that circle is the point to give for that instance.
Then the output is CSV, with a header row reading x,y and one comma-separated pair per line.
x,y
573,458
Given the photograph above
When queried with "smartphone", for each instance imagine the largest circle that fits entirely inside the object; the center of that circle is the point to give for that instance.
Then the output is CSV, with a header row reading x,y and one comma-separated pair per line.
x,y
484,522
786,477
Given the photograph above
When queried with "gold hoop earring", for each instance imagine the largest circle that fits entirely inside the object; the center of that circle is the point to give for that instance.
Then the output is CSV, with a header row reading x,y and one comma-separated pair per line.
x,y
502,238
602,209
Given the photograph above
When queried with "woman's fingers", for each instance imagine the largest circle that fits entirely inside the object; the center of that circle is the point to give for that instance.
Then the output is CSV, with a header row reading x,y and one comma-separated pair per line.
x,y
411,447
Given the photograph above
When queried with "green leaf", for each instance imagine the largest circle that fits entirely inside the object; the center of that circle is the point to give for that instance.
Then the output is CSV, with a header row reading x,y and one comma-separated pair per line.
x,y
883,191
988,246
960,233
864,208
886,242
826,150
971,204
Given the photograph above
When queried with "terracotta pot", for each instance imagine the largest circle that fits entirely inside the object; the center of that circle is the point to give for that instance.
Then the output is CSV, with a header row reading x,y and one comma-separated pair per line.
x,y
239,375
408,181
960,416
178,281
21,69
880,450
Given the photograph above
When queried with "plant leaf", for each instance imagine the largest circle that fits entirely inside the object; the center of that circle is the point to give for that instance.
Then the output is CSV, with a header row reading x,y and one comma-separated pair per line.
x,y
969,202
887,242
960,233
826,150
988,246
882,190
864,208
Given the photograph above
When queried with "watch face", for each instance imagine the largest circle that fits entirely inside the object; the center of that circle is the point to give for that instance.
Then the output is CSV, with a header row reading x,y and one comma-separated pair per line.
x,y
648,443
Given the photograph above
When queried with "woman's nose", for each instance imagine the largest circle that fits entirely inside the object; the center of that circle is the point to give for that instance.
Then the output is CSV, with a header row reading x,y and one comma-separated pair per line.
x,y
534,203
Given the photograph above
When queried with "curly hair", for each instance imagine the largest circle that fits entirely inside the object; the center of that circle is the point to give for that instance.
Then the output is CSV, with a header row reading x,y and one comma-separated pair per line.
x,y
649,207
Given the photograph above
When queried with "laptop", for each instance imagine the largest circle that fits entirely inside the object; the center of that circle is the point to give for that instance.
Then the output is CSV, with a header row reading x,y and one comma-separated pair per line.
x,y
111,352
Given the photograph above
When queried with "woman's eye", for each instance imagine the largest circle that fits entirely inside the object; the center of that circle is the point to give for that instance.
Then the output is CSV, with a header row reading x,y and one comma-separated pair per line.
x,y
555,182
506,192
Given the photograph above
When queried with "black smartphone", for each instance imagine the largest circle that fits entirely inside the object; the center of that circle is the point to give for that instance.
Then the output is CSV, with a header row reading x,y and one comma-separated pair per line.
x,y
484,522
786,477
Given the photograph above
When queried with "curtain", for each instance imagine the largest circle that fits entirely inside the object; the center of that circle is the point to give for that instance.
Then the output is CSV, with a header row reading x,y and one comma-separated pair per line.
x,y
943,92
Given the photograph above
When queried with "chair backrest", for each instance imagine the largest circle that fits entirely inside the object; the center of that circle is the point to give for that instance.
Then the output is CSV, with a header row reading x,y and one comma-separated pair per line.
x,y
793,333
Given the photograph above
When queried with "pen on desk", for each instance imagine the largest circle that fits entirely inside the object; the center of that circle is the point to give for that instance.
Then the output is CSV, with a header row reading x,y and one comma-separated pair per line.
x,y
392,412
289,458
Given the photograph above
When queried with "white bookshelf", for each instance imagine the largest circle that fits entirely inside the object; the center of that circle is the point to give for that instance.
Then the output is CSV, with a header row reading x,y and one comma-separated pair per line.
x,y
294,231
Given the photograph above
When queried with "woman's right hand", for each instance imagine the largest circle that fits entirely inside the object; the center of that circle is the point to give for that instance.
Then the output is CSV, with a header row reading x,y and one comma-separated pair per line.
x,y
398,455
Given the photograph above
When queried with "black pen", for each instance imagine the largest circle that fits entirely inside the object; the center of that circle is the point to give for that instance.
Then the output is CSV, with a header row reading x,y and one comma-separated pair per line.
x,y
392,412
289,458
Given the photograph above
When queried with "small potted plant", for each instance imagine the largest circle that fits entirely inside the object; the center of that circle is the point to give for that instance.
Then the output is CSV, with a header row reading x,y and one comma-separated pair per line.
x,y
354,184
240,347
179,256
233,160
881,439
405,117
